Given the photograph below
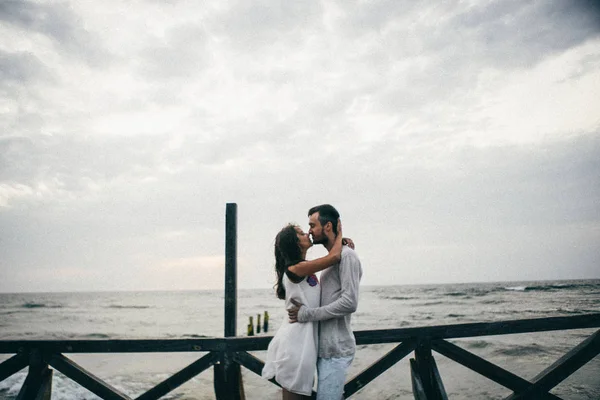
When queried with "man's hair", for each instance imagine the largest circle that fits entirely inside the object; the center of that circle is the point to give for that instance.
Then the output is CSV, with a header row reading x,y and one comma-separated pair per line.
x,y
327,213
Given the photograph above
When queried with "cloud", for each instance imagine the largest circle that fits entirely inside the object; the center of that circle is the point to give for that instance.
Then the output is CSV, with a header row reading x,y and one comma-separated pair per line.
x,y
463,136
58,23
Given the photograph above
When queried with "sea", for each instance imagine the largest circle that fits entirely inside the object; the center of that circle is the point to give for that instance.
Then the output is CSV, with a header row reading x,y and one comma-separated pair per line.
x,y
198,314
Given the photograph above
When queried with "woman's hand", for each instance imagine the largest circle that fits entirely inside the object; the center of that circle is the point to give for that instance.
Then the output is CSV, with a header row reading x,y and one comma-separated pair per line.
x,y
336,250
348,242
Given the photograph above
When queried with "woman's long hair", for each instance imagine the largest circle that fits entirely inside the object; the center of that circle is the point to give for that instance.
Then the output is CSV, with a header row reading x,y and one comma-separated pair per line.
x,y
287,252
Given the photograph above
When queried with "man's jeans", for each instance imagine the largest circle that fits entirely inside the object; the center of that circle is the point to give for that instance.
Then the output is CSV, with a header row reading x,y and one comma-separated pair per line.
x,y
332,376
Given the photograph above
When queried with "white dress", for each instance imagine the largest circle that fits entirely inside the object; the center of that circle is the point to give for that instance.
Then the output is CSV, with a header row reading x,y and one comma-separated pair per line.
x,y
292,354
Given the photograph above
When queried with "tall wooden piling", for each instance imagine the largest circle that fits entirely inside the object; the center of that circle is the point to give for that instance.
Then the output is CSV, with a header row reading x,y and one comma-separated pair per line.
x,y
227,374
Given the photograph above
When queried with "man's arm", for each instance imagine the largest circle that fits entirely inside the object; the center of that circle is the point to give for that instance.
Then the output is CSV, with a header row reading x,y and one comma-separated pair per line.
x,y
350,274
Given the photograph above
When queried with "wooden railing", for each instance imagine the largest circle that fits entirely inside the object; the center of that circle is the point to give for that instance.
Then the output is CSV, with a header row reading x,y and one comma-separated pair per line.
x,y
227,355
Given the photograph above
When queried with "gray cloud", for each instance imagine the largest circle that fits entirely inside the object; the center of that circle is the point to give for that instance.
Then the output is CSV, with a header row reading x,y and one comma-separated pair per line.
x,y
58,22
254,26
21,68
181,54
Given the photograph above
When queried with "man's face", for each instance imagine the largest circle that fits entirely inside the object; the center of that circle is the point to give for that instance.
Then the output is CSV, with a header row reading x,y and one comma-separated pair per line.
x,y
316,229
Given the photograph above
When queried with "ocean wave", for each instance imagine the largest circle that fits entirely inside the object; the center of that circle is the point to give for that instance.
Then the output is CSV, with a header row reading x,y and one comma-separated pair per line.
x,y
516,288
477,344
522,350
456,294
96,336
398,298
122,307
40,305
551,287
492,301
192,336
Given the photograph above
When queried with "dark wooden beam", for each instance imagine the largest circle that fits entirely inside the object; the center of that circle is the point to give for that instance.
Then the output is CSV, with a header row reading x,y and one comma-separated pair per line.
x,y
437,381
179,378
12,366
260,343
231,270
251,363
417,384
113,346
41,390
227,374
38,383
228,380
77,373
248,343
478,329
428,374
562,368
483,367
378,367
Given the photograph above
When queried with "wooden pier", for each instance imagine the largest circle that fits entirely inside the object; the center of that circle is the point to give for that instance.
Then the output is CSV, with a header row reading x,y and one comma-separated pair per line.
x,y
228,354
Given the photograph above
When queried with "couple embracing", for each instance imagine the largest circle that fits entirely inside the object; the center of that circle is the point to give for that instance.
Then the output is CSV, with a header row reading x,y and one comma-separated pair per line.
x,y
316,335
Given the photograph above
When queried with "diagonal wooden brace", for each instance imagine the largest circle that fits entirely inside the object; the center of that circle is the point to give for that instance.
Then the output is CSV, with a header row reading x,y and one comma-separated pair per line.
x,y
562,368
92,383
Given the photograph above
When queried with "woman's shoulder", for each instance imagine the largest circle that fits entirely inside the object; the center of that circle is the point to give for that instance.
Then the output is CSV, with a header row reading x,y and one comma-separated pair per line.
x,y
292,276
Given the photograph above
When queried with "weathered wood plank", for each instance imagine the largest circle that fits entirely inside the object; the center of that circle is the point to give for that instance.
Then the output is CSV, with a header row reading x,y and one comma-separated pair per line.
x,y
562,368
180,377
36,384
254,343
45,391
426,368
417,384
230,269
78,374
250,362
483,367
228,381
478,329
12,366
437,381
39,388
261,342
113,346
378,367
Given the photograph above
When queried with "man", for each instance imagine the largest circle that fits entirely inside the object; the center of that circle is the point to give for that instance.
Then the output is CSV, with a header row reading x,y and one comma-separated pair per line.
x,y
339,299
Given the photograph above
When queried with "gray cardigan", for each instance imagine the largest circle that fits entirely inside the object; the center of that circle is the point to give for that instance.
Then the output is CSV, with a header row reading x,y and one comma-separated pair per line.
x,y
339,299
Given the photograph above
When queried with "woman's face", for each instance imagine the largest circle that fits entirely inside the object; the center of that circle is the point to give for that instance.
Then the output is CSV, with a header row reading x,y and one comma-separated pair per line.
x,y
303,239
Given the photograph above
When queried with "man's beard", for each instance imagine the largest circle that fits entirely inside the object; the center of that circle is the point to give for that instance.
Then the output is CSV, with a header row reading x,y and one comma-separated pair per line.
x,y
323,240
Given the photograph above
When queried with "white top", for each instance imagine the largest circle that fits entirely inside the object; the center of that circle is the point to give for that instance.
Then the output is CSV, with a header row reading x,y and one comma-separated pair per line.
x,y
292,354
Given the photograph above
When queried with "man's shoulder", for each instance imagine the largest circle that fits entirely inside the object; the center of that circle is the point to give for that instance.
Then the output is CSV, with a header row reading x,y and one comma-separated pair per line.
x,y
349,255
347,251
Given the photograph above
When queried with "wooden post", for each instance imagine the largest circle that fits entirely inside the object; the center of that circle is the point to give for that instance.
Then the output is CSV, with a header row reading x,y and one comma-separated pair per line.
x,y
231,270
266,322
427,383
227,374
250,327
38,383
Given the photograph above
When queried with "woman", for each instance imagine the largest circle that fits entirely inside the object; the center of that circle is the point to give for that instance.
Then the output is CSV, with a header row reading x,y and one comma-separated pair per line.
x,y
292,354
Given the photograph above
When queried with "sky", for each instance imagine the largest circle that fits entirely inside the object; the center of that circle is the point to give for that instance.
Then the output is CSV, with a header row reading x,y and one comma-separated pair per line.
x,y
459,140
